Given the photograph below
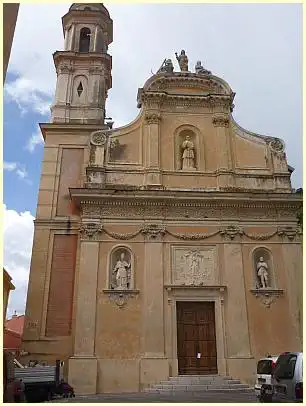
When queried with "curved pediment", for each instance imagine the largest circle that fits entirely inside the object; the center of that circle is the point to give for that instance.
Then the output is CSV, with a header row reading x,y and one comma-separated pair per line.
x,y
185,84
277,145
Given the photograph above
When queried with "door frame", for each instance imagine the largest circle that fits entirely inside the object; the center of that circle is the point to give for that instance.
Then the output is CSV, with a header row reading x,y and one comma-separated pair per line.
x,y
196,296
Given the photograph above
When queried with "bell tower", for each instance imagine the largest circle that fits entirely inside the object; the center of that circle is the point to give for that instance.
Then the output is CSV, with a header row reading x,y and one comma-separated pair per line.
x,y
84,67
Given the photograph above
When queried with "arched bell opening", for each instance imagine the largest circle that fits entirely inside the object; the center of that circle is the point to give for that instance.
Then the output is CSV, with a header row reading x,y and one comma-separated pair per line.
x,y
85,35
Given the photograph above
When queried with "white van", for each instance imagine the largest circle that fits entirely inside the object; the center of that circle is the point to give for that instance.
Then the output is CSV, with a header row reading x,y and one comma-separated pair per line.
x,y
265,367
287,381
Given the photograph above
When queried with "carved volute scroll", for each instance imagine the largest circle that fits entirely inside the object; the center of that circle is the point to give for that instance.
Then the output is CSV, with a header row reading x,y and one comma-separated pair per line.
x,y
96,169
91,230
221,120
98,141
152,118
276,145
121,269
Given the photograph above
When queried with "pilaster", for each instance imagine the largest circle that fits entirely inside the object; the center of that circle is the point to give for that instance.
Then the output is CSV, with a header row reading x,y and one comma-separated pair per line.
x,y
84,340
154,366
292,259
221,124
237,331
153,176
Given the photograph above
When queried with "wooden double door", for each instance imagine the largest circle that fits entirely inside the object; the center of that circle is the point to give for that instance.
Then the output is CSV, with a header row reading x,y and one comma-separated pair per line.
x,y
196,338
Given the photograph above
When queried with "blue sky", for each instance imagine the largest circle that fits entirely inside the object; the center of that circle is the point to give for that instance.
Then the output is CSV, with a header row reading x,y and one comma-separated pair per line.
x,y
256,48
20,188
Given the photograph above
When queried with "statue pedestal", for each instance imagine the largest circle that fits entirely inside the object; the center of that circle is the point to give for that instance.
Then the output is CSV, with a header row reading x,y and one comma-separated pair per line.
x,y
82,374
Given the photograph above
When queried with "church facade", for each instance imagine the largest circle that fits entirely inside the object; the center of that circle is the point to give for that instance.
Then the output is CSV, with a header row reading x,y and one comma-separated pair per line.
x,y
166,247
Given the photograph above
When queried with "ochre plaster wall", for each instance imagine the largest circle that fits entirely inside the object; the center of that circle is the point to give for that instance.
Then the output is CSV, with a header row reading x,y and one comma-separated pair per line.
x,y
273,329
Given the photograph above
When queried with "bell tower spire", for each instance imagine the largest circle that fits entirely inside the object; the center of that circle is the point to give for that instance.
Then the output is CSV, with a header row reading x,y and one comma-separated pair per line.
x,y
84,67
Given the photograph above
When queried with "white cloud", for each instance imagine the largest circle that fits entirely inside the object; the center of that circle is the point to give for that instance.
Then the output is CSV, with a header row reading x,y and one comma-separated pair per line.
x,y
38,34
35,139
19,169
23,91
18,237
22,173
10,166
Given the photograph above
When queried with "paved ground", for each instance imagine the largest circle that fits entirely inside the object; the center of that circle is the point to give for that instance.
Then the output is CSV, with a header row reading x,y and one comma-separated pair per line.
x,y
160,398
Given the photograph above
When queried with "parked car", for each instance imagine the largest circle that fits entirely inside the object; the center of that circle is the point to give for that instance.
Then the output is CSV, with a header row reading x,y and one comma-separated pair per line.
x,y
265,367
287,379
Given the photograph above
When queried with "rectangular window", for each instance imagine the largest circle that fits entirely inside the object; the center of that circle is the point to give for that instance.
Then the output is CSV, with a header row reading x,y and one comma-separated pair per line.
x,y
264,367
285,366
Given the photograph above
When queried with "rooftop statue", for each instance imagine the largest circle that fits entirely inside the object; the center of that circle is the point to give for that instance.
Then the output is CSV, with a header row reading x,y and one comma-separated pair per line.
x,y
182,61
167,66
199,70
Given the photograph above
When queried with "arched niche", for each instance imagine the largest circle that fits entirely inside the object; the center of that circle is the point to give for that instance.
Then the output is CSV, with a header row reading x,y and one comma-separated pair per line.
x,y
80,90
263,270
121,269
187,148
84,42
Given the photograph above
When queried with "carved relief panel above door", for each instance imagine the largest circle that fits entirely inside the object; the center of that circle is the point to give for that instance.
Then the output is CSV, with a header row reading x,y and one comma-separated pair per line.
x,y
194,265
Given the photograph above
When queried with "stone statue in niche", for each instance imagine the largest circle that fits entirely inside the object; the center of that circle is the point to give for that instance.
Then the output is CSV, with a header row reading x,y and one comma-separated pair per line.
x,y
121,274
182,61
188,156
262,272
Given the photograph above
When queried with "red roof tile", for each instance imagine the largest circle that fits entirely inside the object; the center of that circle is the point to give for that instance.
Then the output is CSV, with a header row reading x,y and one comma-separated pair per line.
x,y
15,324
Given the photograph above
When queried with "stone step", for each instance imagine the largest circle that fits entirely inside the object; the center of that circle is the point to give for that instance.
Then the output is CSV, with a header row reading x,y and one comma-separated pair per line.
x,y
195,379
199,387
209,377
214,390
200,381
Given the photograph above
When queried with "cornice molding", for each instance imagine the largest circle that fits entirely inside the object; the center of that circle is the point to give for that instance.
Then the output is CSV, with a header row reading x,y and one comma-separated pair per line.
x,y
164,80
133,196
166,202
163,98
220,288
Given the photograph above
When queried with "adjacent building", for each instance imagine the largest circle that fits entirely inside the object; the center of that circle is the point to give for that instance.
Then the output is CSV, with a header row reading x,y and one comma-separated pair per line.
x,y
7,287
12,337
10,13
168,246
